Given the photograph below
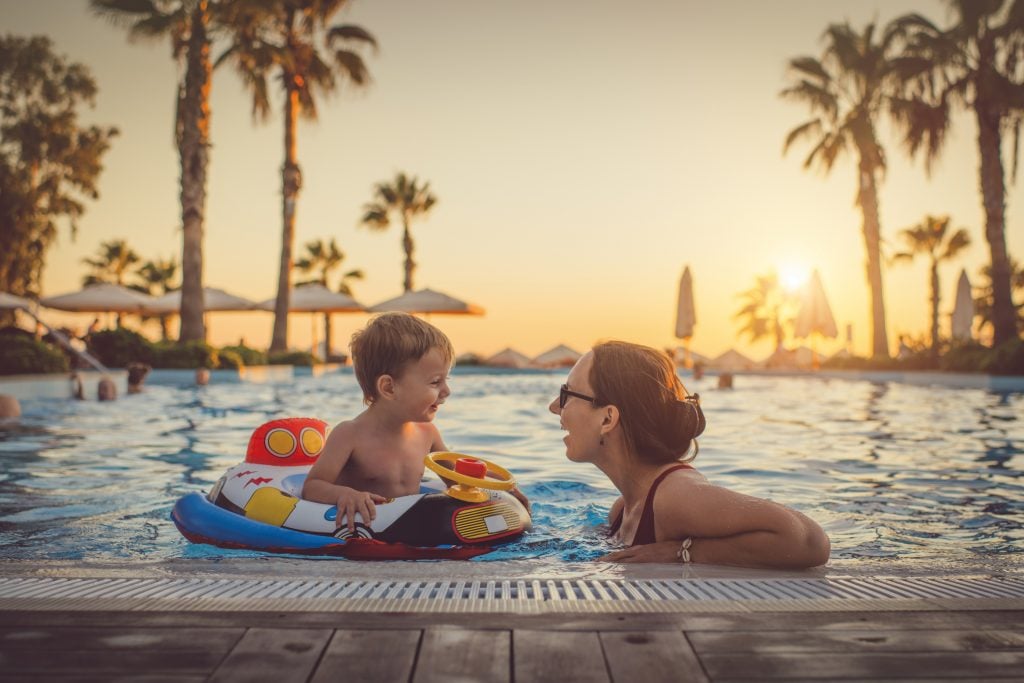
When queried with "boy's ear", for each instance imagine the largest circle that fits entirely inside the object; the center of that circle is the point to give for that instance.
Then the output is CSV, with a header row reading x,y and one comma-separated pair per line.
x,y
386,386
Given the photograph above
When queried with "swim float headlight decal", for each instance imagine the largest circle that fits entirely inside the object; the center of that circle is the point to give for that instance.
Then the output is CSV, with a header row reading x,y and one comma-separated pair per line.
x,y
288,441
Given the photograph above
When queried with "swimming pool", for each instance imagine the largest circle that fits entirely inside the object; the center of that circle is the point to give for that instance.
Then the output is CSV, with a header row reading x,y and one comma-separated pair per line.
x,y
908,476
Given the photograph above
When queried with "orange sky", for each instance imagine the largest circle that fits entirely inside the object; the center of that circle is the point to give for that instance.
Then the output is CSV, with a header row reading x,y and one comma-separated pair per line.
x,y
582,152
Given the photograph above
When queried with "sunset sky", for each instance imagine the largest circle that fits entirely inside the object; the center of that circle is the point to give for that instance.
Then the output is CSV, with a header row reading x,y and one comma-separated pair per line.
x,y
583,152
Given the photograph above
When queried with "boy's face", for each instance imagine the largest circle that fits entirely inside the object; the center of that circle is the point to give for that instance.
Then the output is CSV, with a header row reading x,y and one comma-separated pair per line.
x,y
423,386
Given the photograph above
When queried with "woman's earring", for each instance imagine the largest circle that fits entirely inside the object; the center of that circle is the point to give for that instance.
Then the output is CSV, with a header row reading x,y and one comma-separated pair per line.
x,y
601,441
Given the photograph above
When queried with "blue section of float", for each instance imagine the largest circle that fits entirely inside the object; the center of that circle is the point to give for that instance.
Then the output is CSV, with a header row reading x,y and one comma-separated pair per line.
x,y
200,520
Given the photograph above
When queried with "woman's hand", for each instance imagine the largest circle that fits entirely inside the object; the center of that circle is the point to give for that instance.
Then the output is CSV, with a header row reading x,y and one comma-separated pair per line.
x,y
664,551
350,502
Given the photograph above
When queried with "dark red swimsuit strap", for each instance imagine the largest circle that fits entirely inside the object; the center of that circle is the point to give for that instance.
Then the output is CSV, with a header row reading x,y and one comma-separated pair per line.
x,y
645,530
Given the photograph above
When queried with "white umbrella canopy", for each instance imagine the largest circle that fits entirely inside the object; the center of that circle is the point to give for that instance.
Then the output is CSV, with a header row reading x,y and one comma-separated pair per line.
x,y
315,298
963,310
427,301
214,300
686,314
815,316
9,302
99,298
508,358
560,356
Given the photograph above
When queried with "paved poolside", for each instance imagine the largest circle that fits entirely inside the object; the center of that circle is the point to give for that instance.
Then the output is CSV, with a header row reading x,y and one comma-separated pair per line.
x,y
329,621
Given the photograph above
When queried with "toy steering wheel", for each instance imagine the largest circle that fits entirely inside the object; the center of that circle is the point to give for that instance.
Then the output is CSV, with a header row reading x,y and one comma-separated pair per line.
x,y
469,471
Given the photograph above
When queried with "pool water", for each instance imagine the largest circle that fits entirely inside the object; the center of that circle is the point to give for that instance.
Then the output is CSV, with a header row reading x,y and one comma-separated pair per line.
x,y
919,476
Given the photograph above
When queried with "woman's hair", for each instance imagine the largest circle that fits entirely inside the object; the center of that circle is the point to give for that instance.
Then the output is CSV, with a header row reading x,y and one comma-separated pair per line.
x,y
659,420
388,343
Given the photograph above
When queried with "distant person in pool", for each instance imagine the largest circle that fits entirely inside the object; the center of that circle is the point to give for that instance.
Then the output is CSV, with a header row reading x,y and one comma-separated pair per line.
x,y
627,413
402,365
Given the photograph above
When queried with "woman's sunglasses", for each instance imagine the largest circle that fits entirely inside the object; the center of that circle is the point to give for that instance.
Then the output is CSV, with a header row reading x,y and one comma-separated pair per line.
x,y
564,394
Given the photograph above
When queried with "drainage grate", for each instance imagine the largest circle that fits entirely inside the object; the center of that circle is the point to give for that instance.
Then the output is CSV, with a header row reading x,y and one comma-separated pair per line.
x,y
514,595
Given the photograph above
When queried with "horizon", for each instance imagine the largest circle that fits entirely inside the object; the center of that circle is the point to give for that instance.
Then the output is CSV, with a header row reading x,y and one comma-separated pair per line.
x,y
578,172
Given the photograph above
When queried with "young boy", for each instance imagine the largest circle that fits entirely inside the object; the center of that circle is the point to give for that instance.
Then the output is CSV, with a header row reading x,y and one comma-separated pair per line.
x,y
402,365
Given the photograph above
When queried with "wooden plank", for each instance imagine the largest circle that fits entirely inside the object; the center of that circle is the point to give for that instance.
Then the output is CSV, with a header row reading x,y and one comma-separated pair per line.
x,y
651,657
865,666
456,654
377,656
106,678
118,638
273,655
855,641
103,664
757,621
558,657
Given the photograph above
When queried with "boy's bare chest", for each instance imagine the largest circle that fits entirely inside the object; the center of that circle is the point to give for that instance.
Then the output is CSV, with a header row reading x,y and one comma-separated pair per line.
x,y
390,468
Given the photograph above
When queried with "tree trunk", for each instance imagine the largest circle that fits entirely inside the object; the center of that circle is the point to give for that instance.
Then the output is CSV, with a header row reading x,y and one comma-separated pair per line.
x,y
935,309
407,244
993,193
194,152
867,199
291,182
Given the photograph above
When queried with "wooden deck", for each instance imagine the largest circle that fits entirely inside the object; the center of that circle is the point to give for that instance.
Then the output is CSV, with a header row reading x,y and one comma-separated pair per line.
x,y
339,647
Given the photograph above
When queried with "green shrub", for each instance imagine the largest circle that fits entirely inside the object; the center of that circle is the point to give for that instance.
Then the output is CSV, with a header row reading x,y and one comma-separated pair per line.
x,y
120,347
248,355
303,358
1007,359
970,357
20,355
230,359
187,355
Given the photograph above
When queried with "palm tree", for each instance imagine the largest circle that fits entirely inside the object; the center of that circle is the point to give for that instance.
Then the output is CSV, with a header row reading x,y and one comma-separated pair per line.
x,y
406,197
280,37
156,278
323,259
974,65
983,302
113,261
846,91
931,238
187,24
765,311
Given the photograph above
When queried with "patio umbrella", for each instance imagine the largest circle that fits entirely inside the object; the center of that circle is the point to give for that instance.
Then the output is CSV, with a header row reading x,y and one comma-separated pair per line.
x,y
815,315
427,301
963,310
214,300
686,314
315,298
10,302
560,356
99,298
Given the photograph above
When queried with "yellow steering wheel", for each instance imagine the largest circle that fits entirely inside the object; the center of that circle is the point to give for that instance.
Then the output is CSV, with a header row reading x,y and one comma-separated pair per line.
x,y
470,475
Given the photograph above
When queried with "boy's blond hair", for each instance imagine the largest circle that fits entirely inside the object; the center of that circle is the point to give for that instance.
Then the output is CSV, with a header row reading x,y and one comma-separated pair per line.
x,y
388,344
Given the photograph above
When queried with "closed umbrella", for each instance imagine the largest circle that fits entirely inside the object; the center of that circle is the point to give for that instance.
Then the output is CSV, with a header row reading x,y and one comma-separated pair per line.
x,y
815,315
428,301
686,314
963,310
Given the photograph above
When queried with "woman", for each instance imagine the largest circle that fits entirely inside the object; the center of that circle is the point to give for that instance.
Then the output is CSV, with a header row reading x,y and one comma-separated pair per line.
x,y
626,412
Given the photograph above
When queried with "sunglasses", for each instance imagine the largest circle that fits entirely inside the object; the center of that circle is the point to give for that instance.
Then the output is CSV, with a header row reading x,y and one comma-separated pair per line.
x,y
564,394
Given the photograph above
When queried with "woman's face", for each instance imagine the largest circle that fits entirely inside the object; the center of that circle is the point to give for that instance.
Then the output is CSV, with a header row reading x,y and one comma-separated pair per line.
x,y
579,417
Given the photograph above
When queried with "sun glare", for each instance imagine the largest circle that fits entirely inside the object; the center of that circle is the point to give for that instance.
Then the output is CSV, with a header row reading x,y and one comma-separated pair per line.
x,y
793,276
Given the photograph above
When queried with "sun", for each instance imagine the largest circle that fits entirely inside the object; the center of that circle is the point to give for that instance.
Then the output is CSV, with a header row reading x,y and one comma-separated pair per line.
x,y
793,276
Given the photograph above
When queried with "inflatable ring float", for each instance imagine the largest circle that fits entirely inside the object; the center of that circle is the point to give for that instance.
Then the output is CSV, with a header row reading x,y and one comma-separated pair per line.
x,y
257,505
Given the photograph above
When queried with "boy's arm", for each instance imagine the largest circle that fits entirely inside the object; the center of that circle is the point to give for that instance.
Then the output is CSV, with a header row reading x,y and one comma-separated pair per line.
x,y
320,487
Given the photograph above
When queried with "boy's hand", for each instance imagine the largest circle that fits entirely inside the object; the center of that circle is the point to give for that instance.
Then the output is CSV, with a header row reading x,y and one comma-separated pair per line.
x,y
521,498
351,502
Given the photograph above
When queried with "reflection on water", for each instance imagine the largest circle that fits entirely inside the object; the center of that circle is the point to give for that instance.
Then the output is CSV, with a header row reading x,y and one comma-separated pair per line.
x,y
918,474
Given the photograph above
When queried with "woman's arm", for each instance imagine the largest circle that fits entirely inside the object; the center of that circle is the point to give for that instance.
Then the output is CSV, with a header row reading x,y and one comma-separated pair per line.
x,y
728,528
